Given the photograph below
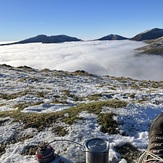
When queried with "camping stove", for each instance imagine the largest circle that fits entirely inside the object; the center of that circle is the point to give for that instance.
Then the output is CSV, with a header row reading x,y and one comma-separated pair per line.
x,y
45,153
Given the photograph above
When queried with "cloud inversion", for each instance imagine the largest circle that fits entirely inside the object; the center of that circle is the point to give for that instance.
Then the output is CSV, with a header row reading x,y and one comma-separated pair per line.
x,y
114,58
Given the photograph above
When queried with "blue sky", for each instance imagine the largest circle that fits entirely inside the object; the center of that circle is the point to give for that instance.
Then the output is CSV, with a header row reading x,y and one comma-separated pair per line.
x,y
85,19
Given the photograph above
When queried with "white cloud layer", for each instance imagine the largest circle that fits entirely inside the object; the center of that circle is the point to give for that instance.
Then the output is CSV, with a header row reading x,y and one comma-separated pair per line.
x,y
114,58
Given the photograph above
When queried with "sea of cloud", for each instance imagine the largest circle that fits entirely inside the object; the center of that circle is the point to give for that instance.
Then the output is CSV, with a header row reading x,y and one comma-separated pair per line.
x,y
114,58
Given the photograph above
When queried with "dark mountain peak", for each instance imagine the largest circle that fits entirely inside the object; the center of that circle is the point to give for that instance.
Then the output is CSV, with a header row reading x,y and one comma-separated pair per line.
x,y
155,29
148,35
38,38
113,37
62,38
41,36
50,39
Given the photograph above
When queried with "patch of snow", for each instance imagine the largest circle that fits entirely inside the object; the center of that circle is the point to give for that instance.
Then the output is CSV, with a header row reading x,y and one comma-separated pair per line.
x,y
45,108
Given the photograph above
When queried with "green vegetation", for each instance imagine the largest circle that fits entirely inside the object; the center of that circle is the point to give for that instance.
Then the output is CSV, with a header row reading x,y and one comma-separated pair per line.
x,y
42,94
128,152
132,95
30,150
109,125
43,120
14,95
154,51
93,107
3,121
23,105
81,72
59,130
94,97
39,121
2,148
67,93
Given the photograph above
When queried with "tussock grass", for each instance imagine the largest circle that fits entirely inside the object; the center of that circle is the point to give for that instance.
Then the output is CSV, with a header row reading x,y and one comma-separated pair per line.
x,y
2,148
59,130
94,97
34,120
22,105
14,95
154,51
3,121
43,120
93,107
109,125
128,152
29,150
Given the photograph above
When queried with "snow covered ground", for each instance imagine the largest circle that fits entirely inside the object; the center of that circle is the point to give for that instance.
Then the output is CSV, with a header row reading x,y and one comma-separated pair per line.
x,y
31,91
115,58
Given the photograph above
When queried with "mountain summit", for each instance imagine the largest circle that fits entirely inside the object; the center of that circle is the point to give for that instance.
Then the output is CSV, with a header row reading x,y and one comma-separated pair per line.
x,y
112,37
46,39
148,35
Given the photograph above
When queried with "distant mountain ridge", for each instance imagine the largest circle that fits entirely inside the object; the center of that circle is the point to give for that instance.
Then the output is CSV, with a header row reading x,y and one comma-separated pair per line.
x,y
154,33
46,39
50,39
